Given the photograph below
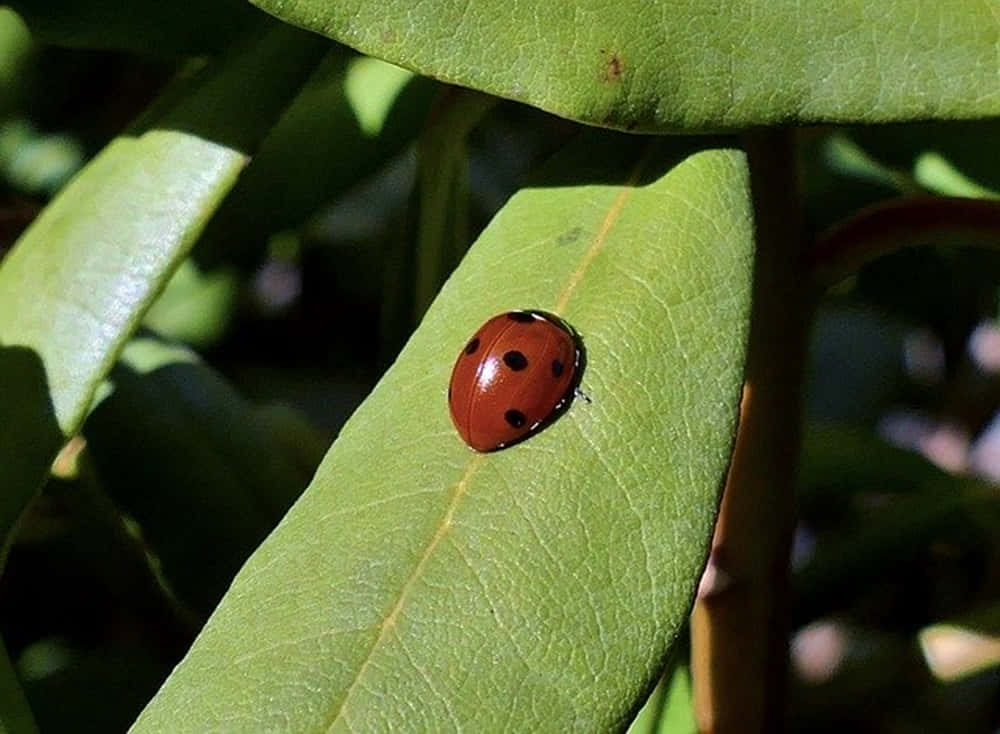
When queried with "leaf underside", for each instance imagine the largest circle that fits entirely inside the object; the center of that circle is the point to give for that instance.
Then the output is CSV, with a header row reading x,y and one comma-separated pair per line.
x,y
687,65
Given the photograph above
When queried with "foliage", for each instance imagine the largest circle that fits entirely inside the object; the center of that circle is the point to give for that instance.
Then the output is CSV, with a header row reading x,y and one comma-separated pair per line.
x,y
223,223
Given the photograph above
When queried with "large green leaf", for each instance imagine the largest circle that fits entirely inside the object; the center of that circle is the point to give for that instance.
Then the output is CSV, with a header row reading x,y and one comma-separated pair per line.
x,y
688,64
418,585
77,282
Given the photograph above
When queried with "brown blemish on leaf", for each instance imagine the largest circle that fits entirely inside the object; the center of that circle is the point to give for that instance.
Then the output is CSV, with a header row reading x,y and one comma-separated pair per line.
x,y
614,66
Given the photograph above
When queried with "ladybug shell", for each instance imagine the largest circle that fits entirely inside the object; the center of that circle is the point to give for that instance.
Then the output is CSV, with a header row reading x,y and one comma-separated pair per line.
x,y
513,375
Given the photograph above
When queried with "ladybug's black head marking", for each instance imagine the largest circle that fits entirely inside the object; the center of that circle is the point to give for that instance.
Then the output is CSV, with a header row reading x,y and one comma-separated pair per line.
x,y
515,360
515,418
522,317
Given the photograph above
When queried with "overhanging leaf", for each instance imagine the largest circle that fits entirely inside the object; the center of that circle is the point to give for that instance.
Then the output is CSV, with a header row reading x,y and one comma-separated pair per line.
x,y
419,585
687,65
77,282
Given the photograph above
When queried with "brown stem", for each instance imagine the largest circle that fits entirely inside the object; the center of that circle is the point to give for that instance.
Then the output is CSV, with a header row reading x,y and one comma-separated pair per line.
x,y
739,624
891,225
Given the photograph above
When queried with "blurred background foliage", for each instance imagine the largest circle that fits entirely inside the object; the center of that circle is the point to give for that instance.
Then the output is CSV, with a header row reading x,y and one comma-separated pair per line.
x,y
302,290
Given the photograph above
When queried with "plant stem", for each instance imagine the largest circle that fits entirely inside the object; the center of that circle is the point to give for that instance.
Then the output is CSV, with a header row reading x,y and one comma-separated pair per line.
x,y
891,225
739,625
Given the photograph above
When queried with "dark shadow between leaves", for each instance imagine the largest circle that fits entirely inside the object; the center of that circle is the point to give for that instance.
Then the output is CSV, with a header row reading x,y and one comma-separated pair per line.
x,y
613,158
30,436
237,98
316,152
168,30
193,462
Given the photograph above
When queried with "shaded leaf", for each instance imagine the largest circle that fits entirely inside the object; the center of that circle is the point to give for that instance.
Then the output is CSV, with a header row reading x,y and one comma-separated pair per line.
x,y
77,282
960,513
176,28
17,51
195,307
841,462
101,687
191,460
15,715
442,192
333,134
36,163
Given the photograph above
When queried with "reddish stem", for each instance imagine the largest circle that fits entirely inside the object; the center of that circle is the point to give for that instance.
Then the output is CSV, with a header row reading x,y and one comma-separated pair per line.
x,y
891,225
739,628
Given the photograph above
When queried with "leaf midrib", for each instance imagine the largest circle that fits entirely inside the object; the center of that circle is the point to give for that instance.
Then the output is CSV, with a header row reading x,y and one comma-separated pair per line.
x,y
460,488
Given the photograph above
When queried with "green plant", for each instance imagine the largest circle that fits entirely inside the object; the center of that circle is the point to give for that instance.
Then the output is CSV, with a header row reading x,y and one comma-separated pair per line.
x,y
683,216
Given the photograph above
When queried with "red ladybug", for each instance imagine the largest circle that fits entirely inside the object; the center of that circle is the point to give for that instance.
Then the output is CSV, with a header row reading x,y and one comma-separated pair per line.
x,y
516,374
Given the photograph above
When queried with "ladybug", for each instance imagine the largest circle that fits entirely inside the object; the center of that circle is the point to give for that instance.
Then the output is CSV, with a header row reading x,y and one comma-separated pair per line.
x,y
515,375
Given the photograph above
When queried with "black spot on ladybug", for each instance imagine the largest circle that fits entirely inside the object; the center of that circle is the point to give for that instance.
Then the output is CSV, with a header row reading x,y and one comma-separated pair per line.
x,y
520,317
515,360
557,368
472,346
515,418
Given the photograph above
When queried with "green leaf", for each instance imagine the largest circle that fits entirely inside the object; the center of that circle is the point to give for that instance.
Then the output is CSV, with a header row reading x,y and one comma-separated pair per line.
x,y
682,65
670,708
149,27
17,52
195,307
936,173
34,162
419,585
78,281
